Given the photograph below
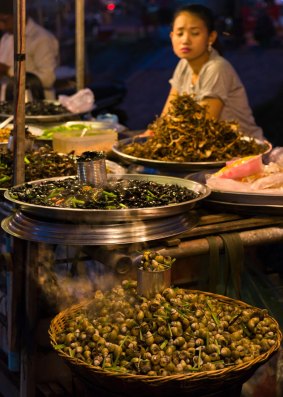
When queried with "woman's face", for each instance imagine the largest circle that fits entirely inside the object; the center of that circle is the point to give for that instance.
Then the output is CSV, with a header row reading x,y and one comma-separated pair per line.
x,y
190,37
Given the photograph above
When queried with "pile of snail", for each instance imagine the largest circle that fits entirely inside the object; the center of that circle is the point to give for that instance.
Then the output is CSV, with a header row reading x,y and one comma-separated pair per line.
x,y
152,261
176,332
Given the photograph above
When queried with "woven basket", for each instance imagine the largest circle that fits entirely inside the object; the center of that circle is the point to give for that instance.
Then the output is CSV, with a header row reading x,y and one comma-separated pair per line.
x,y
203,383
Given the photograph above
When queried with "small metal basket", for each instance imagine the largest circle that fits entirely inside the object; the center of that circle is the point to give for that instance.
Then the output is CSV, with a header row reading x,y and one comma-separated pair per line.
x,y
93,172
151,283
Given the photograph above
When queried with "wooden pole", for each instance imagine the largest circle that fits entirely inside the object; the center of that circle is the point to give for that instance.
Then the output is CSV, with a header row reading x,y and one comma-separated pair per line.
x,y
80,43
19,89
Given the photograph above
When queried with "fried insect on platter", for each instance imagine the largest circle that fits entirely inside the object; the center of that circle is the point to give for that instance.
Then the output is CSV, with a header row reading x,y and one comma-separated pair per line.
x,y
185,134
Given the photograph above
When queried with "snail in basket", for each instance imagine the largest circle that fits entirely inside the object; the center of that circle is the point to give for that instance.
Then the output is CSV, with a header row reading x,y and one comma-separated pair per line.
x,y
176,332
154,262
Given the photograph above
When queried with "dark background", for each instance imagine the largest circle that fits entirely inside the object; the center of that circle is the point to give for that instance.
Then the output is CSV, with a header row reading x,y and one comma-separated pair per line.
x,y
129,44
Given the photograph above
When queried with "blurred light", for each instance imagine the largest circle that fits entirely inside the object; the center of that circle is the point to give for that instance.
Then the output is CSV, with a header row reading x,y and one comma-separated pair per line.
x,y
111,7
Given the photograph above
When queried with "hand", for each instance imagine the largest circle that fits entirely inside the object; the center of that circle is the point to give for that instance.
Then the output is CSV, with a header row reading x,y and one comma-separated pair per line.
x,y
147,133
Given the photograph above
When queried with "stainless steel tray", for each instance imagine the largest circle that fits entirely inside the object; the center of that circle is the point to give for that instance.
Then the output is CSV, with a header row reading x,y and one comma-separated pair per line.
x,y
244,208
115,168
26,227
112,167
163,165
167,165
80,216
229,200
48,118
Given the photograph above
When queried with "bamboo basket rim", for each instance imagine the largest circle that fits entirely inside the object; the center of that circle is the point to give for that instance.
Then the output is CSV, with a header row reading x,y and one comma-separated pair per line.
x,y
232,372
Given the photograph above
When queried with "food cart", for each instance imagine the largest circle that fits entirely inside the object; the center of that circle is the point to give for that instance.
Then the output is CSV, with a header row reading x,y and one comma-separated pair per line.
x,y
198,236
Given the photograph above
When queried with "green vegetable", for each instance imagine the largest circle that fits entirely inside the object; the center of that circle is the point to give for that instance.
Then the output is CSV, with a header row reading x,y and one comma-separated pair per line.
x,y
48,133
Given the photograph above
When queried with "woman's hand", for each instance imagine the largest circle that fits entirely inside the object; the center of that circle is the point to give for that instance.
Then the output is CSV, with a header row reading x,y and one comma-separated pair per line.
x,y
147,133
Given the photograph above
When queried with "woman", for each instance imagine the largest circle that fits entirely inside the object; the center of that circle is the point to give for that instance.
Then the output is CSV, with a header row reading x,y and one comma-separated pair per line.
x,y
42,50
204,73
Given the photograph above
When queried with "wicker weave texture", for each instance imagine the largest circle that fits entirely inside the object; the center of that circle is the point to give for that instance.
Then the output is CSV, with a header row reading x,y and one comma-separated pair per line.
x,y
202,383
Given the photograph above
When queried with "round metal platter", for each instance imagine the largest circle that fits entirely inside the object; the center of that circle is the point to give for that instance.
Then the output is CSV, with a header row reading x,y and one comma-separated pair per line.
x,y
35,132
50,117
25,227
230,200
88,216
115,168
111,166
244,208
168,165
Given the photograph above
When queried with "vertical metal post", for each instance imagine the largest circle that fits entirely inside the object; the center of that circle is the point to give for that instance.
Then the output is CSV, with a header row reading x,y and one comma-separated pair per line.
x,y
19,89
80,43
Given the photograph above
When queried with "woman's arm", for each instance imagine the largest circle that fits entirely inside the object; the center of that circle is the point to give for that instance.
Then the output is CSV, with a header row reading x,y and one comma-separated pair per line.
x,y
6,55
213,106
45,60
3,70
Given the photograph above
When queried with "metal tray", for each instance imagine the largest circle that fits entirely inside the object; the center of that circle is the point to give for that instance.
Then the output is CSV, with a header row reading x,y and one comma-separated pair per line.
x,y
244,208
88,216
112,167
49,118
255,202
115,168
166,165
35,132
26,227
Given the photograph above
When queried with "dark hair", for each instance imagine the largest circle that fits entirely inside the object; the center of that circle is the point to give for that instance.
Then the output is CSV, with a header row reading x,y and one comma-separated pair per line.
x,y
6,7
205,14
201,11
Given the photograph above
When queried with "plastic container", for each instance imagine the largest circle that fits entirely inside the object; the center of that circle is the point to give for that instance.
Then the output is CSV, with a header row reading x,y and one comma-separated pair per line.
x,y
108,117
241,168
98,140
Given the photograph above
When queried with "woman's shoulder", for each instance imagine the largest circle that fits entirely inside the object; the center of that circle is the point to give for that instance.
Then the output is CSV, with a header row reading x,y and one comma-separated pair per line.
x,y
6,38
182,64
220,63
182,67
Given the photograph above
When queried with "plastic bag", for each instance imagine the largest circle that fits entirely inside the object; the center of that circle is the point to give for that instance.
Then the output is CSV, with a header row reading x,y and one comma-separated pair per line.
x,y
276,156
81,102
